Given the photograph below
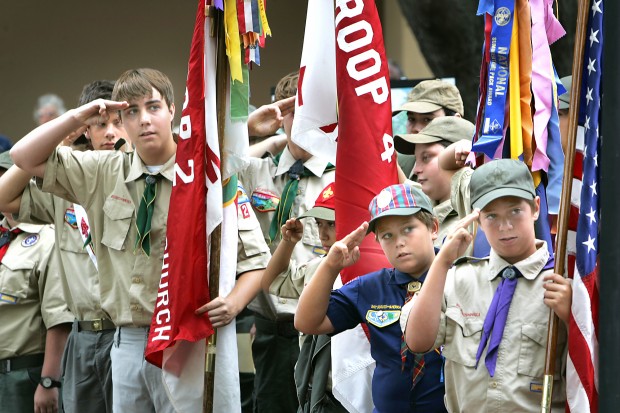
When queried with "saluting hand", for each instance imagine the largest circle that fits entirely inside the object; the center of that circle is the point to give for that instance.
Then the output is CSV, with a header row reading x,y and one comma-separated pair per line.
x,y
292,231
346,252
98,111
267,119
462,149
458,240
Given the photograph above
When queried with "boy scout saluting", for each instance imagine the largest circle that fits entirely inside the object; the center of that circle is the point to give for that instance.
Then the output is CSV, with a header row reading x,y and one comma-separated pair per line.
x,y
87,379
31,302
126,197
281,188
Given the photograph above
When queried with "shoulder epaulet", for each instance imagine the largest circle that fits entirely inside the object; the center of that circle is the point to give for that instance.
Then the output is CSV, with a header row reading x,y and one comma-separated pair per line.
x,y
469,259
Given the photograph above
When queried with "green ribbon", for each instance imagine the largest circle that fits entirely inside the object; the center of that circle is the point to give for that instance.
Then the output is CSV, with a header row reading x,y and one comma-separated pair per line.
x,y
145,214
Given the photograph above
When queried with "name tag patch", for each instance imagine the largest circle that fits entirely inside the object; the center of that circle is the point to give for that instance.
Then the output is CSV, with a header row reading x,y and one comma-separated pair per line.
x,y
6,298
264,200
382,318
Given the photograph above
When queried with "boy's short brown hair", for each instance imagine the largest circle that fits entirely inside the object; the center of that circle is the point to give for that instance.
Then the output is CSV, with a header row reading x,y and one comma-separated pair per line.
x,y
287,86
138,83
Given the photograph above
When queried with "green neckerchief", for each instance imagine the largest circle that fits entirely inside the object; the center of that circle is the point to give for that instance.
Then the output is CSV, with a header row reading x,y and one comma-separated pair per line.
x,y
145,213
283,211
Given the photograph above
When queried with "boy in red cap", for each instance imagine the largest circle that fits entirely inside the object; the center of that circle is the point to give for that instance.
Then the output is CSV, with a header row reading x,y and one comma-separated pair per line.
x,y
286,279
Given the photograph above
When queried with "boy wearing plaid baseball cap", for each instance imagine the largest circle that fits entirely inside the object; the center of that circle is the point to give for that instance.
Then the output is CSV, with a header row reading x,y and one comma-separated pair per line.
x,y
403,222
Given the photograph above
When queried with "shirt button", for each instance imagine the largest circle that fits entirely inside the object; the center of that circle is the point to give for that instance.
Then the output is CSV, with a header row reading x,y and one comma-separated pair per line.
x,y
494,384
282,300
136,280
133,307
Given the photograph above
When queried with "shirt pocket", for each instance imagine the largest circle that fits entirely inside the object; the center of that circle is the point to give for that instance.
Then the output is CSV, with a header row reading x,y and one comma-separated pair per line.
x,y
16,280
70,239
532,351
116,223
462,337
251,237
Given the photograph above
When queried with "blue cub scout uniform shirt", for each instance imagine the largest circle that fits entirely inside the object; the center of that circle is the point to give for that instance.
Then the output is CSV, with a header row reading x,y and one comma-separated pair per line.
x,y
376,299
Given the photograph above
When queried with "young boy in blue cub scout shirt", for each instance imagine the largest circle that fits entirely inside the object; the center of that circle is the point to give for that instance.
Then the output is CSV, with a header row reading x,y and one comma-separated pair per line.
x,y
405,226
491,314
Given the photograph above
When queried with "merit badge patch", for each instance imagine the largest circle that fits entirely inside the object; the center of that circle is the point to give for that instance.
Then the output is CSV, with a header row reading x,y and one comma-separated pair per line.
x,y
70,218
264,200
30,240
6,298
242,197
382,318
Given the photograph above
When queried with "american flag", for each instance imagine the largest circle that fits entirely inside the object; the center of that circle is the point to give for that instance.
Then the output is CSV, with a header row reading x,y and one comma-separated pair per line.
x,y
582,368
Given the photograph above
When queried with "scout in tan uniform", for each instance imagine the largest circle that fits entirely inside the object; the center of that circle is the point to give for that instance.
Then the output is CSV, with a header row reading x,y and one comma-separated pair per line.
x,y
87,370
491,314
428,100
127,225
34,319
437,183
281,188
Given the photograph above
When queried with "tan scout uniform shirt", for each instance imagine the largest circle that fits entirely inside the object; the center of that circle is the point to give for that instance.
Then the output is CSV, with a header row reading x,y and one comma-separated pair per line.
x,y
516,386
31,296
252,250
79,275
263,180
109,187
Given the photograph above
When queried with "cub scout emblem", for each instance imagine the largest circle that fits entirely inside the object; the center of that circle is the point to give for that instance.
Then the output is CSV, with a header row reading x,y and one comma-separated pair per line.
x,y
264,200
382,318
70,218
30,240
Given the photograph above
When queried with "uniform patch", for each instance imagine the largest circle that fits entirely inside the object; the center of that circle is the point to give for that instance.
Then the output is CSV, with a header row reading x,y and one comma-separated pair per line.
x,y
6,298
30,240
264,200
70,218
382,318
244,209
242,197
319,250
536,387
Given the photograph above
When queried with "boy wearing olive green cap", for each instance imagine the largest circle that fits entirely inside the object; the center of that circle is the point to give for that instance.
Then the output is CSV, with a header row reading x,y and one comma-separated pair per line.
x,y
491,314
441,186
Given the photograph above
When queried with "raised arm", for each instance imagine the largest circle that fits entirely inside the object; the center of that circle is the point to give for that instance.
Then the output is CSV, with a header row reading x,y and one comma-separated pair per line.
x,y
267,119
423,322
455,155
12,185
311,315
292,231
32,151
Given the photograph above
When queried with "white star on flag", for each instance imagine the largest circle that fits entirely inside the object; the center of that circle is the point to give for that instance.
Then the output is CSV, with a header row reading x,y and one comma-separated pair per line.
x,y
593,37
593,187
596,155
591,67
596,7
589,97
587,123
592,216
589,243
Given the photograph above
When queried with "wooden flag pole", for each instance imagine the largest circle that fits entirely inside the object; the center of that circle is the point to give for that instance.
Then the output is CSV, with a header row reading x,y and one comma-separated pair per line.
x,y
565,201
217,30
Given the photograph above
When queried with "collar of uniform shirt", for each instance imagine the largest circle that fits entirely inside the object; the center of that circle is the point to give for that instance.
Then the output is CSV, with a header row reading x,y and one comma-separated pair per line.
x,y
315,164
138,168
529,267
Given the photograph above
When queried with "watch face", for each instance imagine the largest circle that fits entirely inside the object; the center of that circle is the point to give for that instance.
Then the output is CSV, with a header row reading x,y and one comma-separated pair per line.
x,y
46,382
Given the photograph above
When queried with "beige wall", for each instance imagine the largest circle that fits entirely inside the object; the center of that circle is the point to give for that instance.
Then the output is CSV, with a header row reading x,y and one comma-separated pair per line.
x,y
57,47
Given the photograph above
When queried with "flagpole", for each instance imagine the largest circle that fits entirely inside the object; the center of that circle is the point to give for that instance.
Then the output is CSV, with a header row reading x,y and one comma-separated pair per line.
x,y
565,200
216,236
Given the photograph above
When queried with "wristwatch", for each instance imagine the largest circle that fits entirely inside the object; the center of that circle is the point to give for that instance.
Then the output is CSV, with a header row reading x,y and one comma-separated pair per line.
x,y
48,383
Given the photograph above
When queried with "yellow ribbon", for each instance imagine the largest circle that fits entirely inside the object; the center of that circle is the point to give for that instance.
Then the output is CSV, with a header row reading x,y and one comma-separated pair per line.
x,y
233,42
263,17
516,137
